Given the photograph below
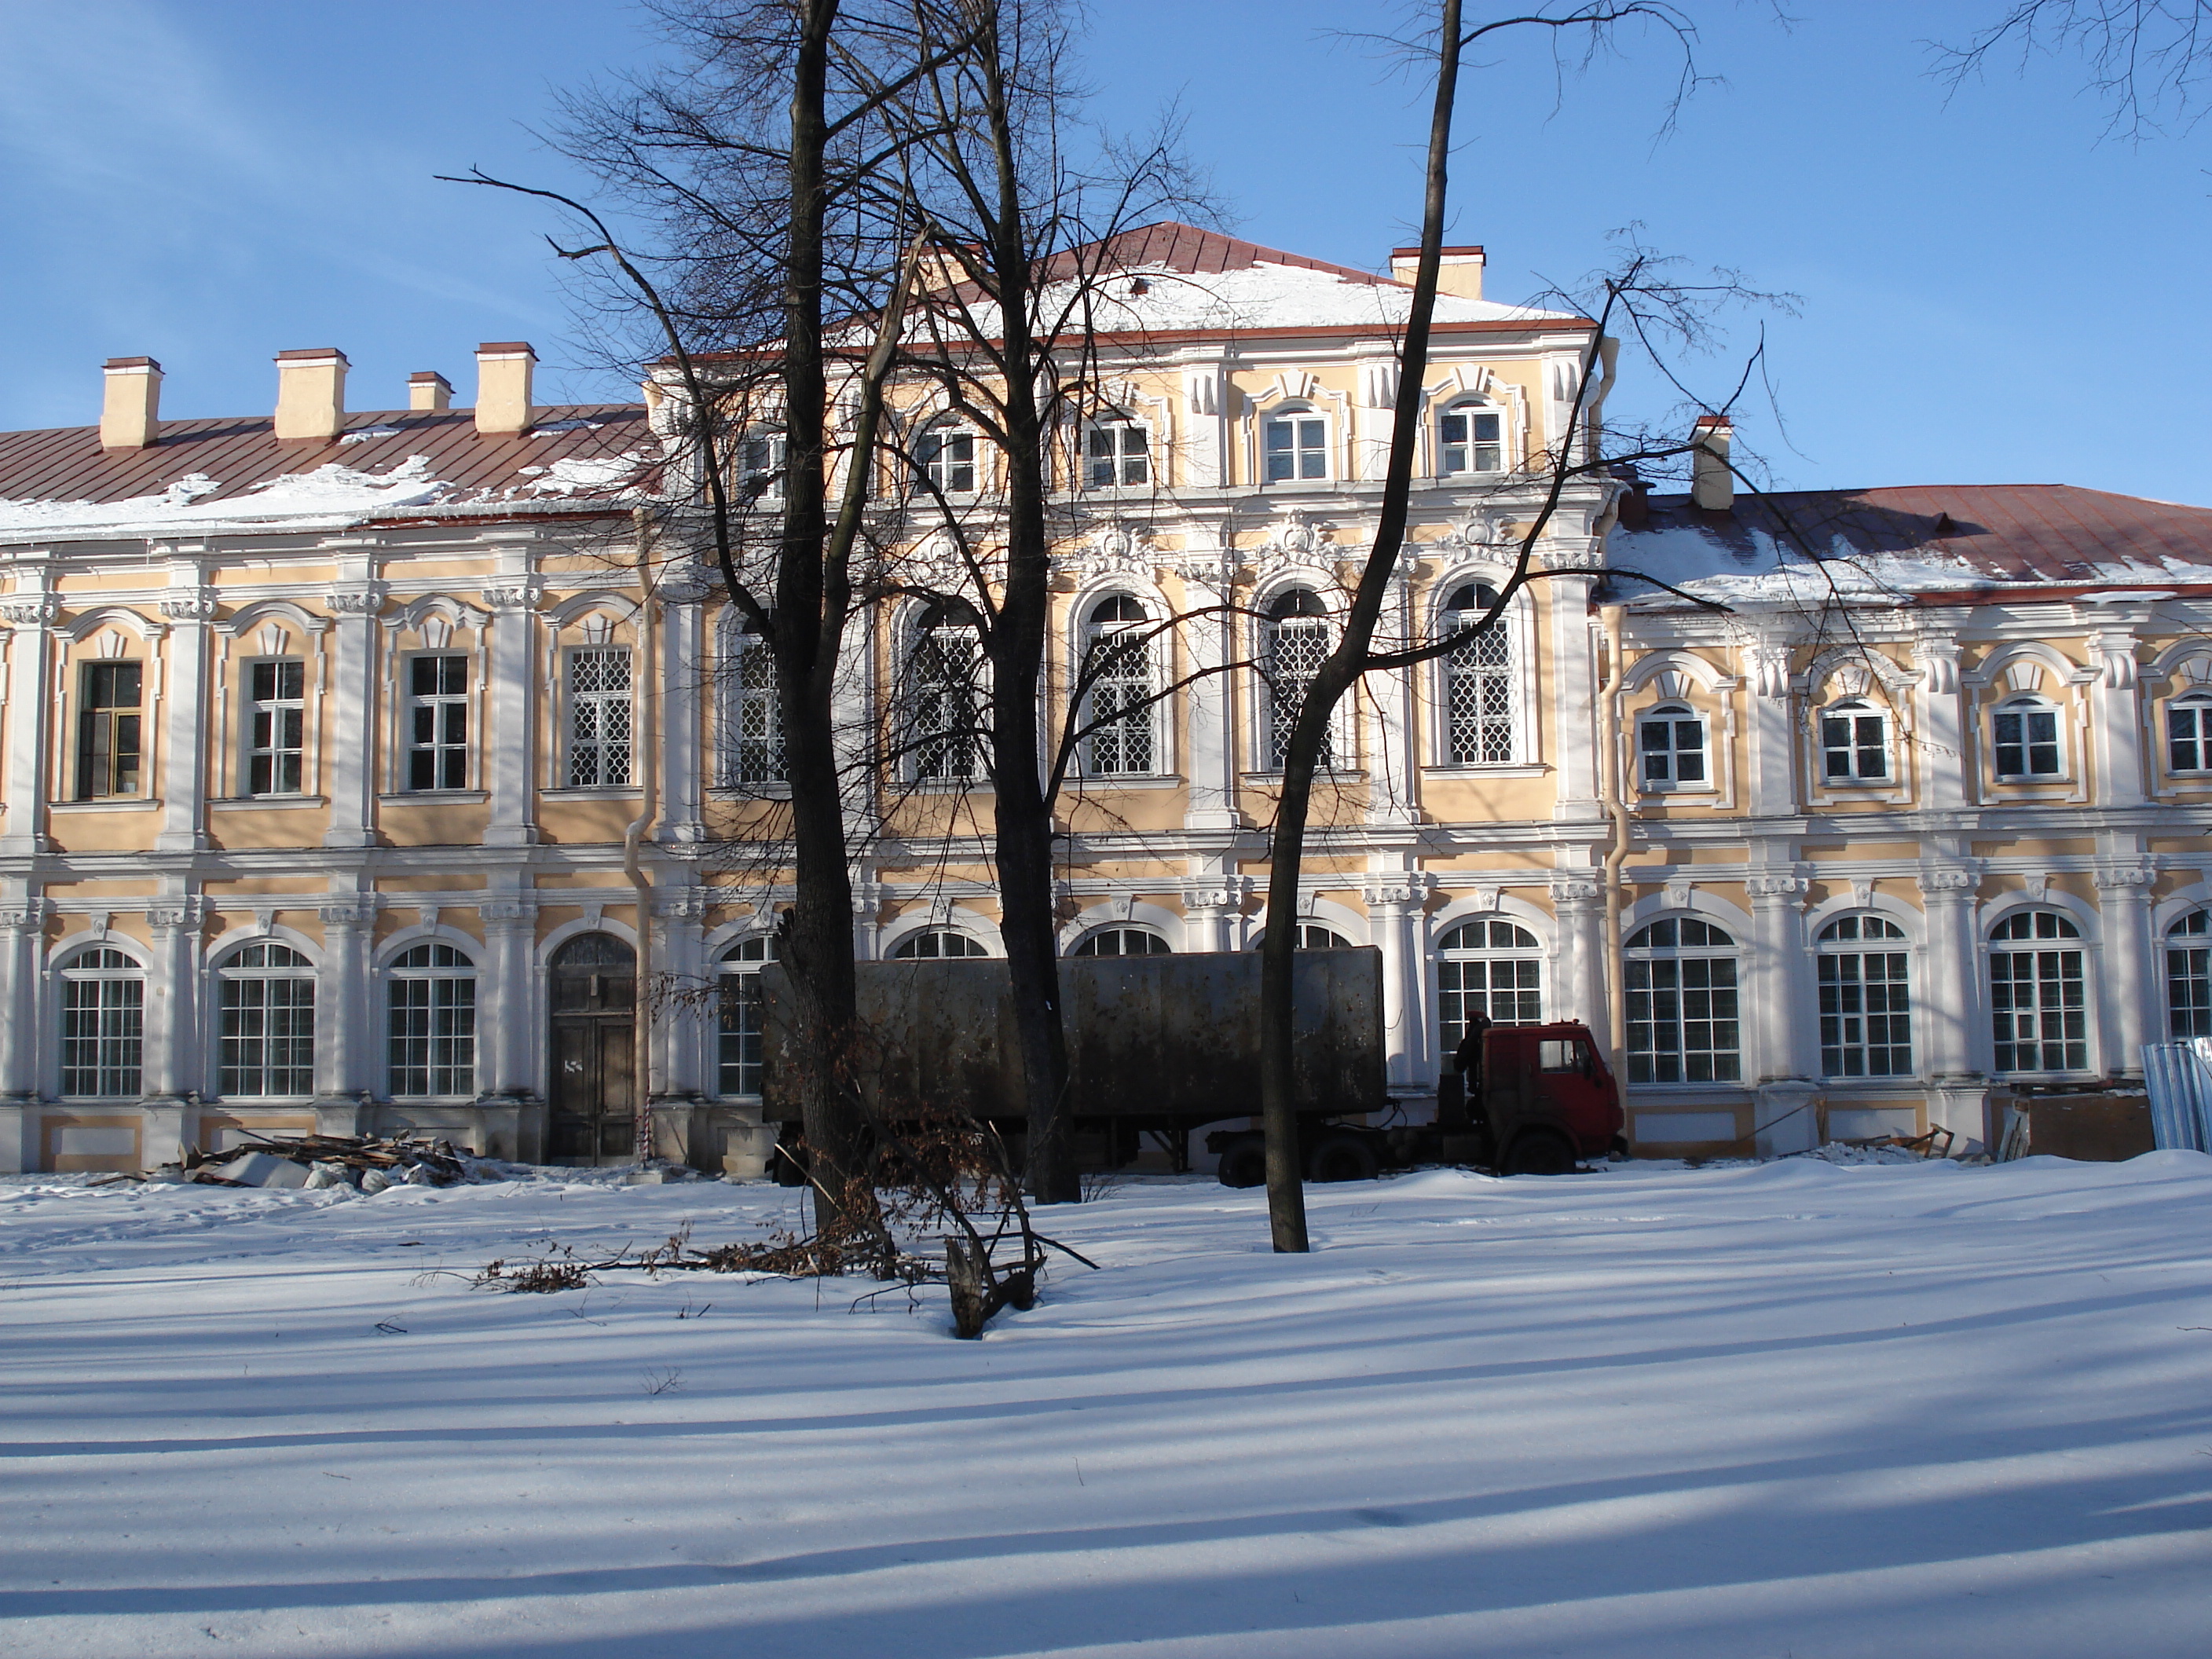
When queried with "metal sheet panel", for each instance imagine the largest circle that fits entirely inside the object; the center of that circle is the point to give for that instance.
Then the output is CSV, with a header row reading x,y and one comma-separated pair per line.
x,y
2180,1082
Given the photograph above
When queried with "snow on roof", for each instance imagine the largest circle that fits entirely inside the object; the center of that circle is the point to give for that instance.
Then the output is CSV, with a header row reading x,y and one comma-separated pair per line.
x,y
1803,546
214,477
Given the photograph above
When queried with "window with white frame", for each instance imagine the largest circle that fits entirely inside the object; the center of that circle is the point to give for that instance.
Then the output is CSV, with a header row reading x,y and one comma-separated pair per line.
x,y
2189,978
752,719
1866,999
1492,967
1117,657
277,726
2038,994
944,695
1295,641
738,1052
936,942
1312,936
1854,743
266,1007
1671,740
1294,446
430,992
1682,1013
760,461
1479,682
438,721
2188,733
598,718
109,747
103,1024
945,455
2025,737
1122,942
1116,453
1470,438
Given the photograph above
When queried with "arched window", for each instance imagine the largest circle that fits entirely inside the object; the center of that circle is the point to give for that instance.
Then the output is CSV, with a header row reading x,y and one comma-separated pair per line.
x,y
1866,1002
266,1005
737,1043
760,466
430,1000
2039,996
945,455
1312,936
1478,691
1117,452
1682,1004
1118,656
1672,741
1294,445
1470,438
1122,942
945,670
752,723
1491,967
103,1024
2188,733
2025,733
1855,743
1294,642
935,942
2189,978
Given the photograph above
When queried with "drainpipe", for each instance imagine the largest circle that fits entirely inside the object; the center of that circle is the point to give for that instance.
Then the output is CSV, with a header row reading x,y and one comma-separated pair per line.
x,y
648,751
1612,784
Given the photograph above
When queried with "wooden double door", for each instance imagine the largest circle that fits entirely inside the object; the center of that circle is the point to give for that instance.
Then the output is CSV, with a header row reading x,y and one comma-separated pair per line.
x,y
594,1036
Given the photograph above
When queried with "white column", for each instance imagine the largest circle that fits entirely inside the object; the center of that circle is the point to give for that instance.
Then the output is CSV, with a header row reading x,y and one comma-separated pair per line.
x,y
686,678
1946,767
170,1057
1779,1011
869,897
1394,907
682,1030
22,929
1202,464
350,759
2116,726
187,728
2131,989
507,1014
346,1052
1210,748
1579,992
29,612
510,746
1571,707
1947,1006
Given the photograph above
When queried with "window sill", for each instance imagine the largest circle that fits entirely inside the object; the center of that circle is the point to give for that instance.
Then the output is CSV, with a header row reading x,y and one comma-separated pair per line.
x,y
767,789
2043,781
1087,781
619,792
1846,786
947,787
436,798
1322,774
1489,769
130,804
1703,793
265,803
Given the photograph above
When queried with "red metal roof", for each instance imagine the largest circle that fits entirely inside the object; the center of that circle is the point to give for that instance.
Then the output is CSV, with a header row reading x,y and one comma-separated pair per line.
x,y
1186,248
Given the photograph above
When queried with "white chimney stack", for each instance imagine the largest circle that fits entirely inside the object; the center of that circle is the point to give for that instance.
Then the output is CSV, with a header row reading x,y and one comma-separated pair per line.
x,y
428,389
310,394
131,412
503,386
1459,270
1712,485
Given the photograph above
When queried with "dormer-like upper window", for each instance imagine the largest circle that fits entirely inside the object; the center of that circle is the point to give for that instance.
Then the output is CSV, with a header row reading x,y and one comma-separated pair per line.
x,y
760,466
2026,733
946,455
1295,446
1672,741
1855,743
2188,733
1116,453
1470,438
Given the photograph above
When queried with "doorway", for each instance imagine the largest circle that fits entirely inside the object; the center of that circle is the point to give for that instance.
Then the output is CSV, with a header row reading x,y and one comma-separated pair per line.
x,y
593,1098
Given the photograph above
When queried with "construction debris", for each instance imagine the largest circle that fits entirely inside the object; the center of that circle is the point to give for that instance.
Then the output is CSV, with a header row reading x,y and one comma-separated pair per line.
x,y
369,1161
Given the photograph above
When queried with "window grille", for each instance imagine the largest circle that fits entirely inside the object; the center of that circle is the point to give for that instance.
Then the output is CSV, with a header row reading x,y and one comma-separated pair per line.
x,y
437,723
1298,641
1866,999
2039,996
108,752
432,1008
267,1012
598,719
1478,690
2189,978
945,705
1491,967
1120,659
103,1025
739,1049
753,745
1682,1013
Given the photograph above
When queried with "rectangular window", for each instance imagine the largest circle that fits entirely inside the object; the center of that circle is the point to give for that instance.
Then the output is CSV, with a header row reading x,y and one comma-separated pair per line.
x,y
2189,738
947,459
1118,457
276,727
268,1035
1478,688
433,1035
1297,447
739,1041
1470,442
754,740
437,723
2189,993
1673,751
103,1024
598,719
2028,744
761,469
1855,747
108,756
1682,1021
2040,1011
1866,1015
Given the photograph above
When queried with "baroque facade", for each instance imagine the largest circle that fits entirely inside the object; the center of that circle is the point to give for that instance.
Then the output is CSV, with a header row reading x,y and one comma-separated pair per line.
x,y
322,734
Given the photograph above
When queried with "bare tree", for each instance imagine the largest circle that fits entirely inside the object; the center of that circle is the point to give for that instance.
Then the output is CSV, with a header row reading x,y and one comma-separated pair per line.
x,y
2148,60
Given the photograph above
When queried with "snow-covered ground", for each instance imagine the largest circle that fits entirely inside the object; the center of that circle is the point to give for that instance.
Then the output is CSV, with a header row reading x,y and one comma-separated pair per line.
x,y
1796,1409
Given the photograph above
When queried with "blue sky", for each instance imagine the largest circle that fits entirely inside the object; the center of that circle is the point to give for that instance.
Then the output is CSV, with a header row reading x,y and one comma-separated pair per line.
x,y
1990,292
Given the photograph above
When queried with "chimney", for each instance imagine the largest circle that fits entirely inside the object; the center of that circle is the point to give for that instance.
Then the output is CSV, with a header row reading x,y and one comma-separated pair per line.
x,y
1459,270
428,389
310,394
1712,486
131,413
503,385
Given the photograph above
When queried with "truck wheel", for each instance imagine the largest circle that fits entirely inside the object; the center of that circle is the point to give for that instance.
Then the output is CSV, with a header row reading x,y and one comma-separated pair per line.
x,y
1341,1157
1245,1163
1540,1154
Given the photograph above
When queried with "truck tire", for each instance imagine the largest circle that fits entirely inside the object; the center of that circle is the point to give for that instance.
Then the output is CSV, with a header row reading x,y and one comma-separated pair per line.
x,y
1340,1157
1245,1163
1540,1152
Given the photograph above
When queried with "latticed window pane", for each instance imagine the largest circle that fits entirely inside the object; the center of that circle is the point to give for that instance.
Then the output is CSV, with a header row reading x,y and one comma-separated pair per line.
x,y
2038,1000
1296,647
1505,980
944,705
432,1022
1122,942
938,942
267,1015
103,1025
1682,1011
1478,691
739,1054
598,719
754,750
2189,978
1121,707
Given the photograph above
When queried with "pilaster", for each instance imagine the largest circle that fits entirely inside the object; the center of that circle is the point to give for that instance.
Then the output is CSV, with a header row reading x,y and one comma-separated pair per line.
x,y
1394,900
681,1037
511,744
2130,985
507,1011
171,1054
1211,699
1578,912
186,729
1946,1004
1779,996
1571,737
2116,725
1385,701
29,612
1940,722
345,1047
686,671
1770,743
1213,911
356,602
22,929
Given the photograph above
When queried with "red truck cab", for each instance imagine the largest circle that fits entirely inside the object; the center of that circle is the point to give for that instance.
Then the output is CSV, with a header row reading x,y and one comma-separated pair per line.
x,y
1548,1099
